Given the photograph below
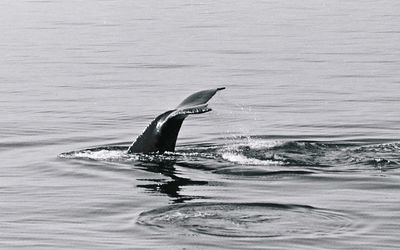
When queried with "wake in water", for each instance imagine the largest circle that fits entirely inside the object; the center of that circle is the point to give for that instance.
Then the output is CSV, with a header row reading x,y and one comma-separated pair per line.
x,y
259,152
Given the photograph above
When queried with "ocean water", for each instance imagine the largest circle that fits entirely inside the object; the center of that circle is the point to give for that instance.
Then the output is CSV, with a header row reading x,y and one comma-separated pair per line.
x,y
301,150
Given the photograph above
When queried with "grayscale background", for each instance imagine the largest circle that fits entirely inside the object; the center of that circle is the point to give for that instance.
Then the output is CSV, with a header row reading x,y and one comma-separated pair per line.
x,y
301,150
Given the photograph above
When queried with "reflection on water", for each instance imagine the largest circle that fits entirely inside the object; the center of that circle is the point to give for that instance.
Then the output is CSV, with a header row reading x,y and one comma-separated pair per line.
x,y
171,187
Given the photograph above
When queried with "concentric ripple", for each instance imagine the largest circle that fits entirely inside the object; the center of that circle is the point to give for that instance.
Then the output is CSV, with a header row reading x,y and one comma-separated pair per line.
x,y
260,220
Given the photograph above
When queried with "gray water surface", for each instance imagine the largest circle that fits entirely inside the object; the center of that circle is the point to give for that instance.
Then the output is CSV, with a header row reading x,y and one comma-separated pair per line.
x,y
301,150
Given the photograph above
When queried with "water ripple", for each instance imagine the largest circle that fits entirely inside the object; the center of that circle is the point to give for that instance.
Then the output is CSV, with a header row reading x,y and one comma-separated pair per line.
x,y
252,220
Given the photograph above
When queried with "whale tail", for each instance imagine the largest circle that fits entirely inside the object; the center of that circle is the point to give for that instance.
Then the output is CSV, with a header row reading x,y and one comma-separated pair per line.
x,y
161,134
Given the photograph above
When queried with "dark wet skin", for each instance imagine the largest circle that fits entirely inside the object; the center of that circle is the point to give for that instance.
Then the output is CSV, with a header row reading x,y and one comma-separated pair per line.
x,y
161,135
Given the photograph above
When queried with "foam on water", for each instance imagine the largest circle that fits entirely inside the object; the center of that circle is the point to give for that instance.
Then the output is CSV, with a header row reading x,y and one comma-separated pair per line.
x,y
99,155
241,159
239,152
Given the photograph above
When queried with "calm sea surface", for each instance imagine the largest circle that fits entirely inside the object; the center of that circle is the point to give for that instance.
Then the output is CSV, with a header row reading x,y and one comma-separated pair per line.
x,y
301,150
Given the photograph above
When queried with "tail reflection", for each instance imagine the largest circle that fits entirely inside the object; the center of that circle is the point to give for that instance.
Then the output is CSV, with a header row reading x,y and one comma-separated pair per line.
x,y
172,187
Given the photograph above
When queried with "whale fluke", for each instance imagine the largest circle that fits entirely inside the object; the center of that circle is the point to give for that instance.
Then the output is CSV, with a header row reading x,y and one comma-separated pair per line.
x,y
161,134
